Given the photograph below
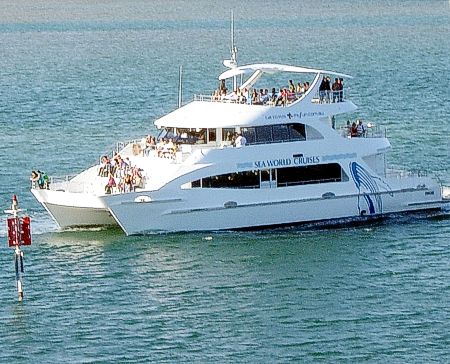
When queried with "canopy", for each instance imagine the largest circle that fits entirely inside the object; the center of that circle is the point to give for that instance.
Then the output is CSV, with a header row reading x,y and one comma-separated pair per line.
x,y
272,68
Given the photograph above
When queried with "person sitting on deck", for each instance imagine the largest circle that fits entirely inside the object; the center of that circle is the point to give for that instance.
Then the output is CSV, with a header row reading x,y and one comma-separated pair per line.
x,y
110,185
150,144
167,149
291,86
300,89
264,97
137,179
273,96
242,99
160,147
282,97
170,147
216,95
306,86
256,100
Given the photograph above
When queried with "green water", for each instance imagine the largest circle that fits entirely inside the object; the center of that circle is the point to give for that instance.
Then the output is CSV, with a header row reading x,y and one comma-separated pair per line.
x,y
76,78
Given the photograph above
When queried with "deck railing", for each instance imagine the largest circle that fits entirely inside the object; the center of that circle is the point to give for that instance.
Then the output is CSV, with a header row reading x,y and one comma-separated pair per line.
x,y
401,173
319,98
370,131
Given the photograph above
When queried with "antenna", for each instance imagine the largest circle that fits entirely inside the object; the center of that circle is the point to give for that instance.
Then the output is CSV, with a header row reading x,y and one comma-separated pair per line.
x,y
180,87
233,48
233,51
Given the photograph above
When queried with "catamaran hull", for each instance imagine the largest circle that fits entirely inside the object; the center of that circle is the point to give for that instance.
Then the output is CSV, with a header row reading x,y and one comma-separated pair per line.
x,y
136,217
70,210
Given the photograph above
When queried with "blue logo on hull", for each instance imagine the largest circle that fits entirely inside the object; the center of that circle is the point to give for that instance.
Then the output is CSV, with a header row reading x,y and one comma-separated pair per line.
x,y
368,187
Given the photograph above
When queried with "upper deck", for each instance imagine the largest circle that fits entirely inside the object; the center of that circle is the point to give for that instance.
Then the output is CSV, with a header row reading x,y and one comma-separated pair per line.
x,y
257,100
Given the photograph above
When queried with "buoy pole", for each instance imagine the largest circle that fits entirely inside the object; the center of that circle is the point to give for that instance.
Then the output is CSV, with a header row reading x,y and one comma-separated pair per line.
x,y
19,233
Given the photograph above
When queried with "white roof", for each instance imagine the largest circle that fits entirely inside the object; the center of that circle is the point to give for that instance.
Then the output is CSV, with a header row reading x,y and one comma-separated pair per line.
x,y
274,68
207,114
203,114
200,114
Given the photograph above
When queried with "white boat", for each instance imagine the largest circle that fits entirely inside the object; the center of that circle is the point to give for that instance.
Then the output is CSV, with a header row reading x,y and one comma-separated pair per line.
x,y
296,166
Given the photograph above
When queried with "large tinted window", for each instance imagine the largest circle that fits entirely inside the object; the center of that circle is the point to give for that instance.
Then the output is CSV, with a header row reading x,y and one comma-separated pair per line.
x,y
247,179
249,134
321,173
280,133
264,134
297,132
290,176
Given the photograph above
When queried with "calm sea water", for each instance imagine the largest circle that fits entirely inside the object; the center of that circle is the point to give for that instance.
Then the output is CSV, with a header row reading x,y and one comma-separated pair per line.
x,y
79,76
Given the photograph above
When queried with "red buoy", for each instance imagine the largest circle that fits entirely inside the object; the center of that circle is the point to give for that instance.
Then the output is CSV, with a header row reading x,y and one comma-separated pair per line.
x,y
19,233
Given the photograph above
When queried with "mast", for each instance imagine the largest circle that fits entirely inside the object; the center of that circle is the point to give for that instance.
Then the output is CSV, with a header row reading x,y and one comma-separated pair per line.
x,y
180,87
233,51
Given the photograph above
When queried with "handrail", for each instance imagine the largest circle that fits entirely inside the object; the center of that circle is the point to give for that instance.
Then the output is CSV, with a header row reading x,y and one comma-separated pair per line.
x,y
402,173
370,131
327,98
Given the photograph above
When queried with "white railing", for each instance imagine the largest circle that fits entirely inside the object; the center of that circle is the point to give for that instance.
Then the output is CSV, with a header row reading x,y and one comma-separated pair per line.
x,y
65,185
319,98
122,145
329,97
370,131
401,173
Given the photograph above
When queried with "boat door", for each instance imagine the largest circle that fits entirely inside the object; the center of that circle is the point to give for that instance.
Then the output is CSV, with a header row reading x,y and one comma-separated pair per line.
x,y
268,178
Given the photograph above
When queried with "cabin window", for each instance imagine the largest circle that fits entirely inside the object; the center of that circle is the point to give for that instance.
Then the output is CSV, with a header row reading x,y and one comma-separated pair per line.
x,y
320,173
276,177
247,179
277,133
297,132
312,133
227,134
249,134
264,134
211,135
280,133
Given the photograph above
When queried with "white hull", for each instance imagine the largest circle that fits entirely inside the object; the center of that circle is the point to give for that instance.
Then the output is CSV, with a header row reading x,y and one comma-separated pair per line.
x,y
184,214
291,165
74,209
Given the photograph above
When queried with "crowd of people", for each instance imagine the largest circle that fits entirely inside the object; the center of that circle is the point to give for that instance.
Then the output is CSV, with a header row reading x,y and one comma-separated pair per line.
x,y
262,96
328,92
164,148
122,176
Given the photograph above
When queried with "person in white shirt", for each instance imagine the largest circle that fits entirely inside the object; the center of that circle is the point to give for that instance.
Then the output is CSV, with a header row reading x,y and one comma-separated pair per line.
x,y
240,141
361,130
